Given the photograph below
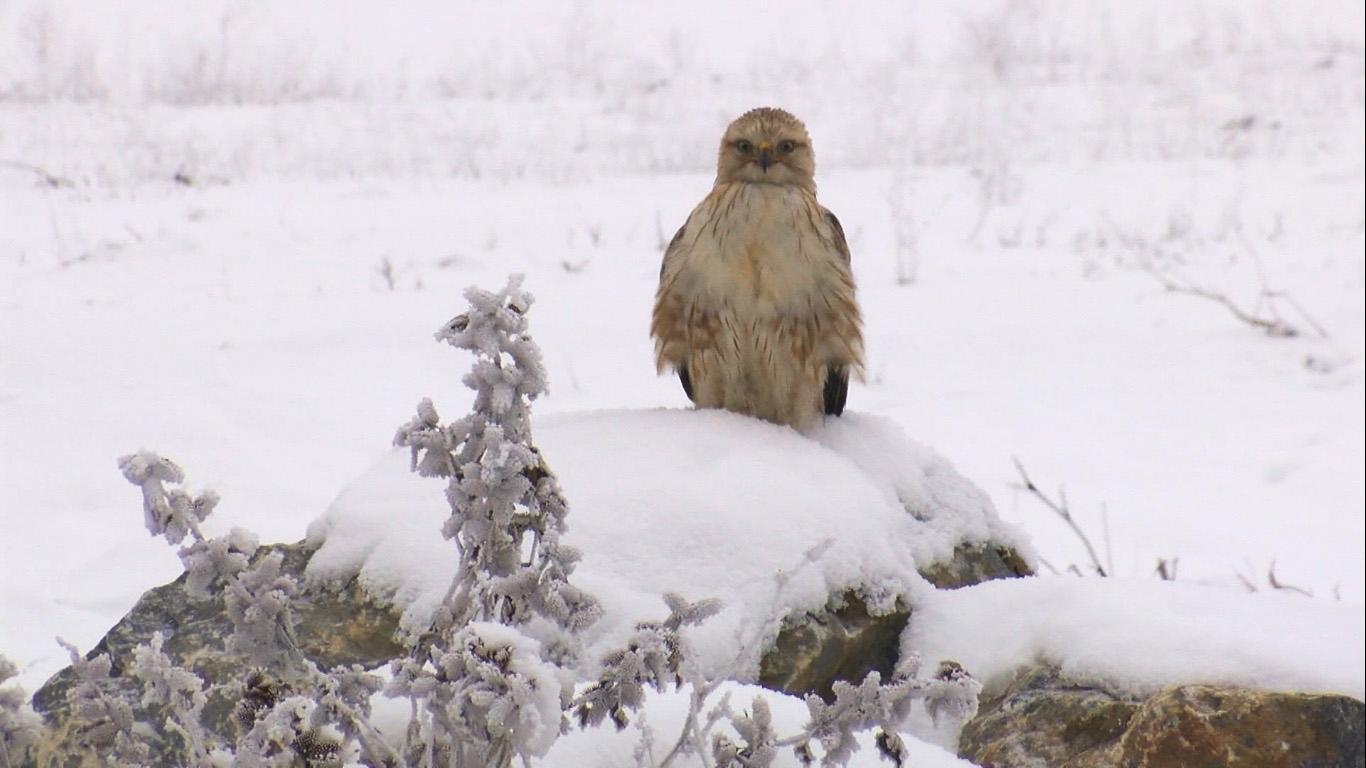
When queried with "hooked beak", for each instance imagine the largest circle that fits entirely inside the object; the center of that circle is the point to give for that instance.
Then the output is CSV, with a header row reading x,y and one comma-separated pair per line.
x,y
765,156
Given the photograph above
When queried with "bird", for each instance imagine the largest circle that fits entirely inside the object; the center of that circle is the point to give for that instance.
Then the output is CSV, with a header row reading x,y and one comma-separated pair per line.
x,y
756,309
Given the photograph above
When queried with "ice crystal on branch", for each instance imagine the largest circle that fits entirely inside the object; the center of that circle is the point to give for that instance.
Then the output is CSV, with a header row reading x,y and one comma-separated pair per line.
x,y
885,707
176,513
257,603
325,723
295,732
653,656
171,513
218,558
180,690
102,723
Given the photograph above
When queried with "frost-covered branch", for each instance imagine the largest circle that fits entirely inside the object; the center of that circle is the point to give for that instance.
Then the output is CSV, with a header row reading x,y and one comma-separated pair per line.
x,y
871,705
653,656
327,721
175,513
181,691
507,510
658,656
483,679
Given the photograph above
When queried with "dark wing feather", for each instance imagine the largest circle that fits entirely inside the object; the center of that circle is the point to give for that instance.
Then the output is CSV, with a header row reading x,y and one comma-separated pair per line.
x,y
837,377
678,237
686,381
836,389
670,252
841,244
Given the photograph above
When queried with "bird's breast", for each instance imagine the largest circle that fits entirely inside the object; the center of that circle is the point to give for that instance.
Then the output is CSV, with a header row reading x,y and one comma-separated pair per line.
x,y
760,248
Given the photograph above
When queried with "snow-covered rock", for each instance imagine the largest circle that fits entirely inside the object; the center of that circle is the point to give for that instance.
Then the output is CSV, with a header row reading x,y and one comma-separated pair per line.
x,y
702,503
775,523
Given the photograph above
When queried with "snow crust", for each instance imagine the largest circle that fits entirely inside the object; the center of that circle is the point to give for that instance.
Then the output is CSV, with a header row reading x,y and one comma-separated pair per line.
x,y
711,504
1142,634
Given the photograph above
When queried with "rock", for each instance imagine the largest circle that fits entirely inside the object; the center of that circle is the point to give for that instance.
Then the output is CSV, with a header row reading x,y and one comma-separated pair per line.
x,y
842,642
974,563
338,625
1199,725
1041,718
845,641
341,625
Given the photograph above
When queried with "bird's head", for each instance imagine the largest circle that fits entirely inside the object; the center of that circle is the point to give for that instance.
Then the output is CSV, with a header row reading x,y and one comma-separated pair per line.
x,y
766,146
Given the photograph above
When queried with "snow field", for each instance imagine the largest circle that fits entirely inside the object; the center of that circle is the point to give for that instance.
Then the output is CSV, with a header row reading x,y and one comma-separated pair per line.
x,y
1004,172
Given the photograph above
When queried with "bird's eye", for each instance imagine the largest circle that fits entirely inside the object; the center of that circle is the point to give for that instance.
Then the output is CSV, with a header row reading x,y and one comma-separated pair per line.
x,y
744,146
787,146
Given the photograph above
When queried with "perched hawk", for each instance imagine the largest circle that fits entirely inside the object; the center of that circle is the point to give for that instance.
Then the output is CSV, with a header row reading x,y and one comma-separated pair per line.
x,y
755,308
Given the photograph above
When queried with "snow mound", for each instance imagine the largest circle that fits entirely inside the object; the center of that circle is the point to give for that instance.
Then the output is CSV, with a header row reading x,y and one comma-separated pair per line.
x,y
702,503
1143,634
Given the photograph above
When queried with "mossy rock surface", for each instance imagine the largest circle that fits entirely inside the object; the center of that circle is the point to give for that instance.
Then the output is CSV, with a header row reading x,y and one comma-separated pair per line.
x,y
1042,718
338,625
846,640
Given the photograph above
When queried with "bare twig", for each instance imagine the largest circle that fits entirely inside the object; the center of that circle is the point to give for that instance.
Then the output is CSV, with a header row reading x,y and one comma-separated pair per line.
x,y
1105,531
46,178
661,240
1274,325
1278,584
1061,509
1304,313
386,271
1272,580
1264,315
1166,569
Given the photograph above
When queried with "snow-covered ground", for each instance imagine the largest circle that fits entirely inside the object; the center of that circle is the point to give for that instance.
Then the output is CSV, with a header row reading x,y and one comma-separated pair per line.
x,y
1004,171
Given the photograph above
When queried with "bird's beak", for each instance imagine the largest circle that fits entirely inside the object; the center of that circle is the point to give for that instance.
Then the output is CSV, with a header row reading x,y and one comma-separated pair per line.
x,y
765,156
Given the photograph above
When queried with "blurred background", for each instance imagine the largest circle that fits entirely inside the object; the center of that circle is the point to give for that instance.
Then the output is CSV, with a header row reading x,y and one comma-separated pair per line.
x,y
1119,242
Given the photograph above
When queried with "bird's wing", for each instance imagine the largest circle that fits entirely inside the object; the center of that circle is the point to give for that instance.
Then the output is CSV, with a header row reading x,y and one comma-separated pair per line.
x,y
665,320
671,252
841,244
837,376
